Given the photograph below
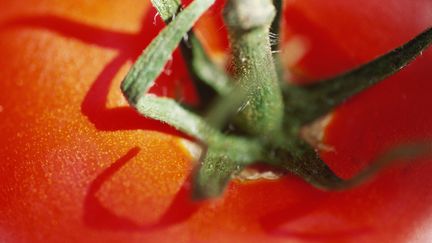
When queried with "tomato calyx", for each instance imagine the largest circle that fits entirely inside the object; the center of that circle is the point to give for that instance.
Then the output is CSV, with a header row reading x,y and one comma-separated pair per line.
x,y
265,114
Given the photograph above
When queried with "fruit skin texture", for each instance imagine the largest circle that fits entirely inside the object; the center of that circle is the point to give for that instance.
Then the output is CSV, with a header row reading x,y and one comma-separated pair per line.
x,y
78,165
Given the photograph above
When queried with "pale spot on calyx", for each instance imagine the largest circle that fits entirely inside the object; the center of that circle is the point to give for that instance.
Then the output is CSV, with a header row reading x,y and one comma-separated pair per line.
x,y
247,174
250,174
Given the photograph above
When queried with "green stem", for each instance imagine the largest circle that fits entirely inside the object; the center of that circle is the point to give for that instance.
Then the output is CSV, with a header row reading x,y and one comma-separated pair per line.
x,y
307,103
248,22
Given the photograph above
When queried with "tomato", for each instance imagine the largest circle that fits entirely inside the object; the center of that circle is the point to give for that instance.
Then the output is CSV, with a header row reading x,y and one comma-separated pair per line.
x,y
79,165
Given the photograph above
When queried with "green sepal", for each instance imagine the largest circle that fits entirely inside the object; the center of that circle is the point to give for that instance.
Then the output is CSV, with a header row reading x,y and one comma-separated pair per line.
x,y
150,64
209,80
213,174
152,61
167,9
301,159
306,103
169,111
220,160
224,110
404,153
207,70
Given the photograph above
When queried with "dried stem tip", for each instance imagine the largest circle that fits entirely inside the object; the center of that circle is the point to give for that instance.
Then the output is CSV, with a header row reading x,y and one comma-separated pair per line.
x,y
249,14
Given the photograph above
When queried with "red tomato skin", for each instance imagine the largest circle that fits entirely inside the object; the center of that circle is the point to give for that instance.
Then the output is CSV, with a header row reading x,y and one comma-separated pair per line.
x,y
78,165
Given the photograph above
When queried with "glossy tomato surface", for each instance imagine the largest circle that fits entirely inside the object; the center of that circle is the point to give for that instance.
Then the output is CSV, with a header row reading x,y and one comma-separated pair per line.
x,y
79,165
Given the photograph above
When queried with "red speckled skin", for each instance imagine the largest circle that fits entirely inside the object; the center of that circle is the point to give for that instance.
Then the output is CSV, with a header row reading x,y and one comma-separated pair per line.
x,y
78,165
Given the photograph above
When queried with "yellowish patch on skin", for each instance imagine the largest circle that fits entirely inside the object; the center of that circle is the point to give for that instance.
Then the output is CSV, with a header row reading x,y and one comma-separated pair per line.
x,y
313,133
294,50
194,149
